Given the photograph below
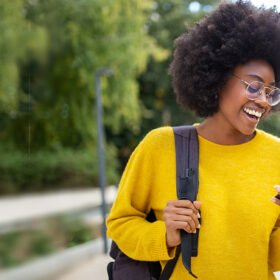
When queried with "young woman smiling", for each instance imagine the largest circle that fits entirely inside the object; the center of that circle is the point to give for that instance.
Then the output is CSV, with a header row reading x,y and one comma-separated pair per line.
x,y
226,69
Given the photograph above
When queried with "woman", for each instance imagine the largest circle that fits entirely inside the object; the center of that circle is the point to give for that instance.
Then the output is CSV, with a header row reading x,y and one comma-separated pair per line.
x,y
226,70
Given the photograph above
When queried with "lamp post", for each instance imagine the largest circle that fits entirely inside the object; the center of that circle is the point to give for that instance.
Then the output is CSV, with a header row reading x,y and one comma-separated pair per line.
x,y
101,147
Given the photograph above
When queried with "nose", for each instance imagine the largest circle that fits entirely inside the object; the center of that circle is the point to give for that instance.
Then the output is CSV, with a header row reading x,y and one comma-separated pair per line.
x,y
262,100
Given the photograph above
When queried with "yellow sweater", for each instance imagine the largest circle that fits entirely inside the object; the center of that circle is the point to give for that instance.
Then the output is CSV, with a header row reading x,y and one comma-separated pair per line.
x,y
240,230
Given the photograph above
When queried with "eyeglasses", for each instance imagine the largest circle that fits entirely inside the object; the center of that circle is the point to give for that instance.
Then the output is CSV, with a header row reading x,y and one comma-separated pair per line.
x,y
256,88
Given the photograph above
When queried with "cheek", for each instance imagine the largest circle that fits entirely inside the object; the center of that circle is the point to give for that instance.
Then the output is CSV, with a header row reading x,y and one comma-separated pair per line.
x,y
228,103
232,101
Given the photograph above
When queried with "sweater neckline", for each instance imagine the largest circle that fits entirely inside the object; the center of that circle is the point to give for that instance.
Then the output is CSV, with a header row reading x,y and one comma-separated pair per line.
x,y
235,147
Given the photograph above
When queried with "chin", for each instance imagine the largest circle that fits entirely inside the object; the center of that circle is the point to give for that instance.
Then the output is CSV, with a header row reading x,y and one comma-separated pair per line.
x,y
248,132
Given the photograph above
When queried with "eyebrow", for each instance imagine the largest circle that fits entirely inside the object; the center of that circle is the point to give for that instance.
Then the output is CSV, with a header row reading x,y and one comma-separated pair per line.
x,y
259,78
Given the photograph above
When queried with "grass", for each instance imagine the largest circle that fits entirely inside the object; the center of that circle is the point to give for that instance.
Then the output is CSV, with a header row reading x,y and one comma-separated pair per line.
x,y
45,237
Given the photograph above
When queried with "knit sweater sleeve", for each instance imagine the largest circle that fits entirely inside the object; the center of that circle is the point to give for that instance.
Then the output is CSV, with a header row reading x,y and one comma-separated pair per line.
x,y
126,224
274,250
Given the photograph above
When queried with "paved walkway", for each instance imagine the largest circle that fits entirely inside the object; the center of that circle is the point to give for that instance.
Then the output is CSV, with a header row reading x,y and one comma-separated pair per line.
x,y
94,268
21,211
17,210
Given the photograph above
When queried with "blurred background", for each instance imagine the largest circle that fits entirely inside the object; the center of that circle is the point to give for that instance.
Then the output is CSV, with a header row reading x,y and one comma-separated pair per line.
x,y
56,57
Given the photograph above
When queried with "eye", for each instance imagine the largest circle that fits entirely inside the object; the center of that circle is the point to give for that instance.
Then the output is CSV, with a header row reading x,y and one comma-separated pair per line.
x,y
273,96
254,87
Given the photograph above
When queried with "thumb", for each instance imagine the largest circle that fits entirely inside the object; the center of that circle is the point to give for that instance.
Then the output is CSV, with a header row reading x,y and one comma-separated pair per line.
x,y
197,204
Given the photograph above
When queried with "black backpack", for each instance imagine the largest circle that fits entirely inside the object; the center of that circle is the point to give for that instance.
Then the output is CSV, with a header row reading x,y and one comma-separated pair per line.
x,y
125,268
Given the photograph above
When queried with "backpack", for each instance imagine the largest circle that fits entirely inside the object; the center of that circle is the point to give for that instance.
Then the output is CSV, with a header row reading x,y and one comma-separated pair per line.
x,y
125,268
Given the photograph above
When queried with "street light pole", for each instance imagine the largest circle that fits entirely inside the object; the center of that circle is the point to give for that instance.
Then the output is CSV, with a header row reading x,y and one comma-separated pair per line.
x,y
101,148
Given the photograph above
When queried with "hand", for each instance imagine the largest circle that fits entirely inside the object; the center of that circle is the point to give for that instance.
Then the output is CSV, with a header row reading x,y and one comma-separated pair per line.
x,y
180,214
274,199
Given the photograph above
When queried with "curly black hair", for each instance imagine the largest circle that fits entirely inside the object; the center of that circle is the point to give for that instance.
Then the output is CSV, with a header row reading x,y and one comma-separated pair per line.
x,y
204,56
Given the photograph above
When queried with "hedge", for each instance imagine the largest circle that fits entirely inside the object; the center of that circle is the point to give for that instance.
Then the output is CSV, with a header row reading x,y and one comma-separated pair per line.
x,y
22,172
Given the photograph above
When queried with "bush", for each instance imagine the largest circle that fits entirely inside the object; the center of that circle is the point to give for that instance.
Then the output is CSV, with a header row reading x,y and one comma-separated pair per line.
x,y
9,243
76,232
45,237
45,170
40,244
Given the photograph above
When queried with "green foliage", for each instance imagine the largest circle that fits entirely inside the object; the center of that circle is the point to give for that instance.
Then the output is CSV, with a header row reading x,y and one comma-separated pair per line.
x,y
40,244
19,40
50,54
271,124
11,26
8,244
45,237
76,232
46,170
165,22
56,86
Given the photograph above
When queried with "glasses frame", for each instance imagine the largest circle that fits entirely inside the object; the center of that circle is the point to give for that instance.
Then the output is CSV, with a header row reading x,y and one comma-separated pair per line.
x,y
271,88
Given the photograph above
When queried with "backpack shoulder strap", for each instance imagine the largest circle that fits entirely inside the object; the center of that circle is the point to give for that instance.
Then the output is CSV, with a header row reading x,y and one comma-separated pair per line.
x,y
186,145
187,153
169,267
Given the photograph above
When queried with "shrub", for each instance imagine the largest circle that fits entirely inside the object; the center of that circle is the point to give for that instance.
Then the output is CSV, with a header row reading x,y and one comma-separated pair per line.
x,y
45,237
45,170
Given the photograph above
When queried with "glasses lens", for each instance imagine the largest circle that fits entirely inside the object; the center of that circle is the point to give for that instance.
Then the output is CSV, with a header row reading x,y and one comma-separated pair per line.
x,y
254,89
273,97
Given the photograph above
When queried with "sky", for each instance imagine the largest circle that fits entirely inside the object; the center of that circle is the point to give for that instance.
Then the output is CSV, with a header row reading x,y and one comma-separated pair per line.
x,y
195,5
267,3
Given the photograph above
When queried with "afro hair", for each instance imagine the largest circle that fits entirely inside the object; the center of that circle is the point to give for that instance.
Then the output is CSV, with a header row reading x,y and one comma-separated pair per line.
x,y
204,57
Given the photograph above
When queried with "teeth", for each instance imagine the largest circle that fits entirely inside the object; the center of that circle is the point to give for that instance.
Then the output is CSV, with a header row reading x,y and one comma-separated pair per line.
x,y
253,112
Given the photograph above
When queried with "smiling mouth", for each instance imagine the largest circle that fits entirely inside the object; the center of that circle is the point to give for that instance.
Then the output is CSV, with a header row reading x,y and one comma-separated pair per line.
x,y
252,113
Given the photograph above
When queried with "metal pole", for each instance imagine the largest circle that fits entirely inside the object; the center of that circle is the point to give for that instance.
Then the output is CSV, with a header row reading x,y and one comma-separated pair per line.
x,y
101,153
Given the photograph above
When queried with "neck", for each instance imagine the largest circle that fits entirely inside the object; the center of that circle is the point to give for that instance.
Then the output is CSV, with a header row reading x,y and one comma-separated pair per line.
x,y
219,133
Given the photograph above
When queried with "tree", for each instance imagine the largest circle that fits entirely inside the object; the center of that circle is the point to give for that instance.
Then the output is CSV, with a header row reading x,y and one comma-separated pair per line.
x,y
53,94
81,36
11,26
165,22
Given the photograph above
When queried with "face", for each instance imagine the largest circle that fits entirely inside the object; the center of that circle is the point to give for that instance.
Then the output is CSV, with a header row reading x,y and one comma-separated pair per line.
x,y
236,112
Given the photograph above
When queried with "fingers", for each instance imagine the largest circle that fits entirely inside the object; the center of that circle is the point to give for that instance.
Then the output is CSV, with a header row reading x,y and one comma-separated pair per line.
x,y
185,212
176,225
184,208
277,188
183,204
274,199
186,223
182,214
197,204
187,215
190,221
